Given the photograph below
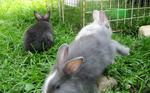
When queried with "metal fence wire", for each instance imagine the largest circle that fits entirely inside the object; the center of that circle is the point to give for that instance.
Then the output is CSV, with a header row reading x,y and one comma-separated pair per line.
x,y
124,11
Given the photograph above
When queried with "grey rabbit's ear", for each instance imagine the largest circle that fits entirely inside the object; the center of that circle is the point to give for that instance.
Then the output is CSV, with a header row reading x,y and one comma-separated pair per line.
x,y
72,65
95,15
37,15
99,17
102,17
61,56
47,15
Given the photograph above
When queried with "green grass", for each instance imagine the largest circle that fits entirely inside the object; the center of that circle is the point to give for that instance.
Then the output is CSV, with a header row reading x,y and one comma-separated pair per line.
x,y
24,72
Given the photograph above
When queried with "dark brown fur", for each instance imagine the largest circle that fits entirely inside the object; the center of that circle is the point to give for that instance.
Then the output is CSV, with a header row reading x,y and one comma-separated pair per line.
x,y
39,37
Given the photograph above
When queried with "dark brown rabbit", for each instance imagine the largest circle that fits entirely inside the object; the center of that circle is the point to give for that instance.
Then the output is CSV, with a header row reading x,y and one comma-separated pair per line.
x,y
39,37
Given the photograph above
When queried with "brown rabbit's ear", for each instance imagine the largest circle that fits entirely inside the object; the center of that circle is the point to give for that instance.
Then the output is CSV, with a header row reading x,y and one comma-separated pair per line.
x,y
37,16
61,56
47,15
72,65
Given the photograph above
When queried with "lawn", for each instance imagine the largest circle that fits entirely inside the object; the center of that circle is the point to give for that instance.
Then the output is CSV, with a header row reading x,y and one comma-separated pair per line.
x,y
24,72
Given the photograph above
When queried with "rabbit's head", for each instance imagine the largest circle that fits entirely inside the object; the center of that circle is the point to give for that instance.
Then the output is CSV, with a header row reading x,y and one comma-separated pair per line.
x,y
42,18
60,80
101,19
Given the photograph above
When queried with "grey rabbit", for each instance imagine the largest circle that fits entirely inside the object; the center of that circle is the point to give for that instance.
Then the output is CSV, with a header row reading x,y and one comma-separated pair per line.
x,y
63,77
80,64
39,37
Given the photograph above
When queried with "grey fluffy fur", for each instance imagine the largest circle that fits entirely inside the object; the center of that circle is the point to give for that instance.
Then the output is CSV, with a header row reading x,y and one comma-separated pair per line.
x,y
95,49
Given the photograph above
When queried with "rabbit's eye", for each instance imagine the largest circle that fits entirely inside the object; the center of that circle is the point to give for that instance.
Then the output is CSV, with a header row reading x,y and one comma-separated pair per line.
x,y
57,86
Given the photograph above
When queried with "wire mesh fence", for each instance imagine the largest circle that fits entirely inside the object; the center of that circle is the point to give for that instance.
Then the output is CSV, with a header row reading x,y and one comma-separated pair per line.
x,y
118,11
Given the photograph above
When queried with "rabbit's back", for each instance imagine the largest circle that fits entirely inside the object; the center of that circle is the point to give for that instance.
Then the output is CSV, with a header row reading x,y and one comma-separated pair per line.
x,y
97,52
38,37
40,28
